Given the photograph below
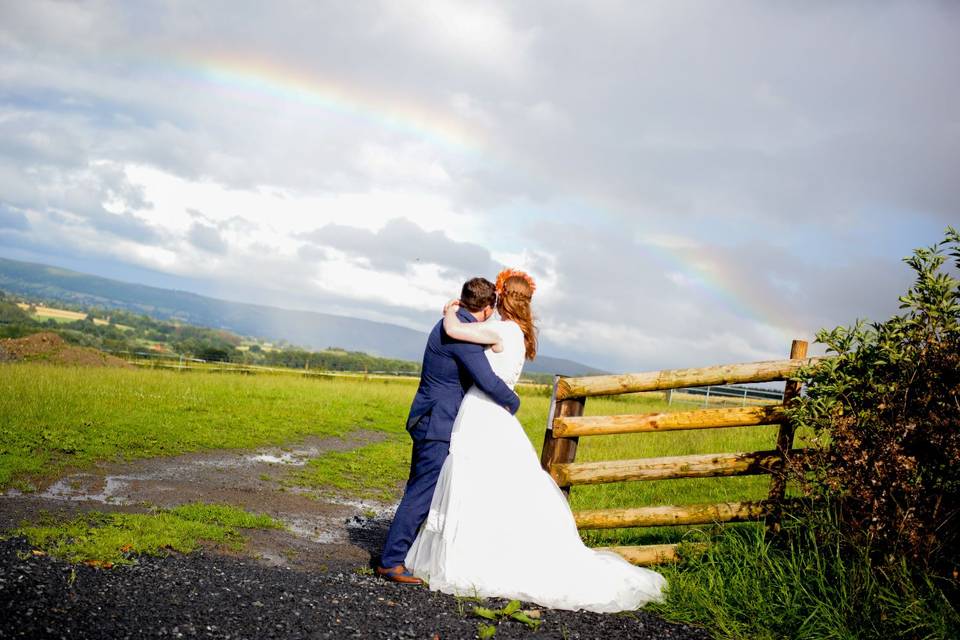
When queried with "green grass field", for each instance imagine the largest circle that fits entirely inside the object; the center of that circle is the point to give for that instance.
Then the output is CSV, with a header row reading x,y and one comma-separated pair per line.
x,y
56,418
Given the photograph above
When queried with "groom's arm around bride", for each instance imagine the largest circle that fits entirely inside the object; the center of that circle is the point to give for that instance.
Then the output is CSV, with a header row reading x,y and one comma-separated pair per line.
x,y
450,367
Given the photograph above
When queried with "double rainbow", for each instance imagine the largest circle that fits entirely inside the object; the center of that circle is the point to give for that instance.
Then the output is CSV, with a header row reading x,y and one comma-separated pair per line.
x,y
441,129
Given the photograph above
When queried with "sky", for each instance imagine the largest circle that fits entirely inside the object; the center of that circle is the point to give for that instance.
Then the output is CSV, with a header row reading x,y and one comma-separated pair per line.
x,y
689,183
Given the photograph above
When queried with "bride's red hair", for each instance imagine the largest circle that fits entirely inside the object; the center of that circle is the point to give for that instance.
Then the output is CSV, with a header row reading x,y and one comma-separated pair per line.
x,y
514,292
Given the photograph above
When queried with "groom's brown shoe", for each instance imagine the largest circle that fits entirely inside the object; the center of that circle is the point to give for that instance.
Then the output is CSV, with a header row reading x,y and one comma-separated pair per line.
x,y
399,574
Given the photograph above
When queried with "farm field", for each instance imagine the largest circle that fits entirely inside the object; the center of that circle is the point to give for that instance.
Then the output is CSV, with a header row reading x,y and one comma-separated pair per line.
x,y
59,419
60,315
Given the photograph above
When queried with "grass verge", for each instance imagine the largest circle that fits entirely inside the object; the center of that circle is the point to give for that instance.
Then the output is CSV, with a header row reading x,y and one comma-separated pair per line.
x,y
106,539
745,586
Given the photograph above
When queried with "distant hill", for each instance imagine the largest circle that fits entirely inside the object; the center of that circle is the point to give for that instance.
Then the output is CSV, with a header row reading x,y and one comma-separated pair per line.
x,y
560,366
305,328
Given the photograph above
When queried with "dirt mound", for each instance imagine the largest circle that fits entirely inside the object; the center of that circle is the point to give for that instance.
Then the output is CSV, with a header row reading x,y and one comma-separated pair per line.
x,y
51,348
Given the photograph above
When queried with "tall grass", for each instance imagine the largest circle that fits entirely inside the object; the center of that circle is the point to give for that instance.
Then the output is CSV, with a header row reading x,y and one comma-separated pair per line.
x,y
746,585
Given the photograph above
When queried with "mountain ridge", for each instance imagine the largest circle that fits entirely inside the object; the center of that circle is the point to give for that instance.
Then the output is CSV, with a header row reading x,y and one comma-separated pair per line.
x,y
312,329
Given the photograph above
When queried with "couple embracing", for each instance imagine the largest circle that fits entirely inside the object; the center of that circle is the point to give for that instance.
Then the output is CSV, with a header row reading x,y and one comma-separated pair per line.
x,y
479,517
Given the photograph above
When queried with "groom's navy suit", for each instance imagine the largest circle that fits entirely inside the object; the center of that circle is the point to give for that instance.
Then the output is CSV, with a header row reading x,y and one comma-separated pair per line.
x,y
449,369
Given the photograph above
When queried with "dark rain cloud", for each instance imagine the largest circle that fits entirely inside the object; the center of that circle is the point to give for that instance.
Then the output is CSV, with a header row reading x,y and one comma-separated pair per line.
x,y
401,244
124,225
207,238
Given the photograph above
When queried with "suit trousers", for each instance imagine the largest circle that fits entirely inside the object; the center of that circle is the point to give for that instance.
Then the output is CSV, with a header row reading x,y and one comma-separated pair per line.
x,y
425,464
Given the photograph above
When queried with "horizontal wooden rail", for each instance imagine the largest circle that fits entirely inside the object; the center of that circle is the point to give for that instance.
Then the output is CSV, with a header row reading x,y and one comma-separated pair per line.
x,y
669,515
650,553
678,378
703,419
694,466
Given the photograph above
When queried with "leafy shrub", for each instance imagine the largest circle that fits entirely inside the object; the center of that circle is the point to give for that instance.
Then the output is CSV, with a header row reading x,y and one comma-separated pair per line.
x,y
886,414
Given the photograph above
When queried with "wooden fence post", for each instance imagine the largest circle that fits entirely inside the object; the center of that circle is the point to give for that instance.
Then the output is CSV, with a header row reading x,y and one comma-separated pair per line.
x,y
560,450
778,478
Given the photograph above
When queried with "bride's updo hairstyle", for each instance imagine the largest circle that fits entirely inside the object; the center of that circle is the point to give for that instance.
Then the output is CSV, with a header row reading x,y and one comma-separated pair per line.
x,y
514,292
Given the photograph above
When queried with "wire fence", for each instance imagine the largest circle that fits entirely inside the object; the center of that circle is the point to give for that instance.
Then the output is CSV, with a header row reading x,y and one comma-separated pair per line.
x,y
726,394
179,362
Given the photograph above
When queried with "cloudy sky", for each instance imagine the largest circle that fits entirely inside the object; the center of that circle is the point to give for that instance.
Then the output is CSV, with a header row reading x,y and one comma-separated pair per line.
x,y
689,182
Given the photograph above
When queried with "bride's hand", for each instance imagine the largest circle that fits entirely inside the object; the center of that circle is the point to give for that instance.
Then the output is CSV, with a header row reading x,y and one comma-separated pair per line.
x,y
451,306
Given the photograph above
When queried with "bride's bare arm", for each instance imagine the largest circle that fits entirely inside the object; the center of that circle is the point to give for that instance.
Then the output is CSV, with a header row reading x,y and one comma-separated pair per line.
x,y
468,331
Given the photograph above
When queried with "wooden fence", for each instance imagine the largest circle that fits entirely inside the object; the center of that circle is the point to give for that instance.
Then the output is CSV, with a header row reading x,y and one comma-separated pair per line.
x,y
566,424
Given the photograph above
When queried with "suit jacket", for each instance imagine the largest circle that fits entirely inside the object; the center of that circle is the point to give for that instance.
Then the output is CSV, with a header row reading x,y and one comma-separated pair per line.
x,y
450,367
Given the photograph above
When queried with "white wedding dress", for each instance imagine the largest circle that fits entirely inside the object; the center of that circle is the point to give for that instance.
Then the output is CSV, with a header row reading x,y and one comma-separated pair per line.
x,y
500,527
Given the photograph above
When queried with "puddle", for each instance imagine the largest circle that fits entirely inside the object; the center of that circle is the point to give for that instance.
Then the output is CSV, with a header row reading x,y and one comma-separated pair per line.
x,y
284,458
330,528
199,475
78,489
322,530
369,509
295,457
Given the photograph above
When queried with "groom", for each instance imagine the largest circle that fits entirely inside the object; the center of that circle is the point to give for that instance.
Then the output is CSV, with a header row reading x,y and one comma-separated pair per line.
x,y
449,369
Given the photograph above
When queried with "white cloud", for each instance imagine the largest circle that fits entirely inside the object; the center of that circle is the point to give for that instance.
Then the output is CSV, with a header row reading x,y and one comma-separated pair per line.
x,y
279,215
481,35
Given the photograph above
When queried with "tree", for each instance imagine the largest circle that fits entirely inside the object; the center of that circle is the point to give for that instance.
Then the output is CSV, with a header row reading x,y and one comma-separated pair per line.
x,y
10,313
213,354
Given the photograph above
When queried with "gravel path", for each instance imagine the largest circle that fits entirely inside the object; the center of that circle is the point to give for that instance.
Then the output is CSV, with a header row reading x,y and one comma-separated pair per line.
x,y
212,596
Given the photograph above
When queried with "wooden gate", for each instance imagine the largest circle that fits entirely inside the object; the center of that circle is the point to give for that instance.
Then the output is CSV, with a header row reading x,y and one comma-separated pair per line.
x,y
566,424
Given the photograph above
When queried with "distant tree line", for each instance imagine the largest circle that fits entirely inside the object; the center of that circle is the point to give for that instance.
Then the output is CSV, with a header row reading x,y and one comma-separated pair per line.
x,y
335,360
124,331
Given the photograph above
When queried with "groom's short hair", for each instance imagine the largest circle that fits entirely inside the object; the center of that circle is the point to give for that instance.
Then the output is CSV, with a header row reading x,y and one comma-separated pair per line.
x,y
477,293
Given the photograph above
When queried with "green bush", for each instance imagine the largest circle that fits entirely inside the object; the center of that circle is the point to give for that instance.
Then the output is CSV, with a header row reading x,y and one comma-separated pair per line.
x,y
886,413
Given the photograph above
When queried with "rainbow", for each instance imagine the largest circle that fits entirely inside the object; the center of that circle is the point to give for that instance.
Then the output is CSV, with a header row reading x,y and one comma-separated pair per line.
x,y
329,94
259,77
722,285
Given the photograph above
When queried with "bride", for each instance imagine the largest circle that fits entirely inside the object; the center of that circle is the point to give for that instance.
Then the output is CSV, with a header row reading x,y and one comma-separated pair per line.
x,y
498,524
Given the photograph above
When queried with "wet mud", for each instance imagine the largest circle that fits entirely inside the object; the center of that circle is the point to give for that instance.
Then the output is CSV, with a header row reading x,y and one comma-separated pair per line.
x,y
321,531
